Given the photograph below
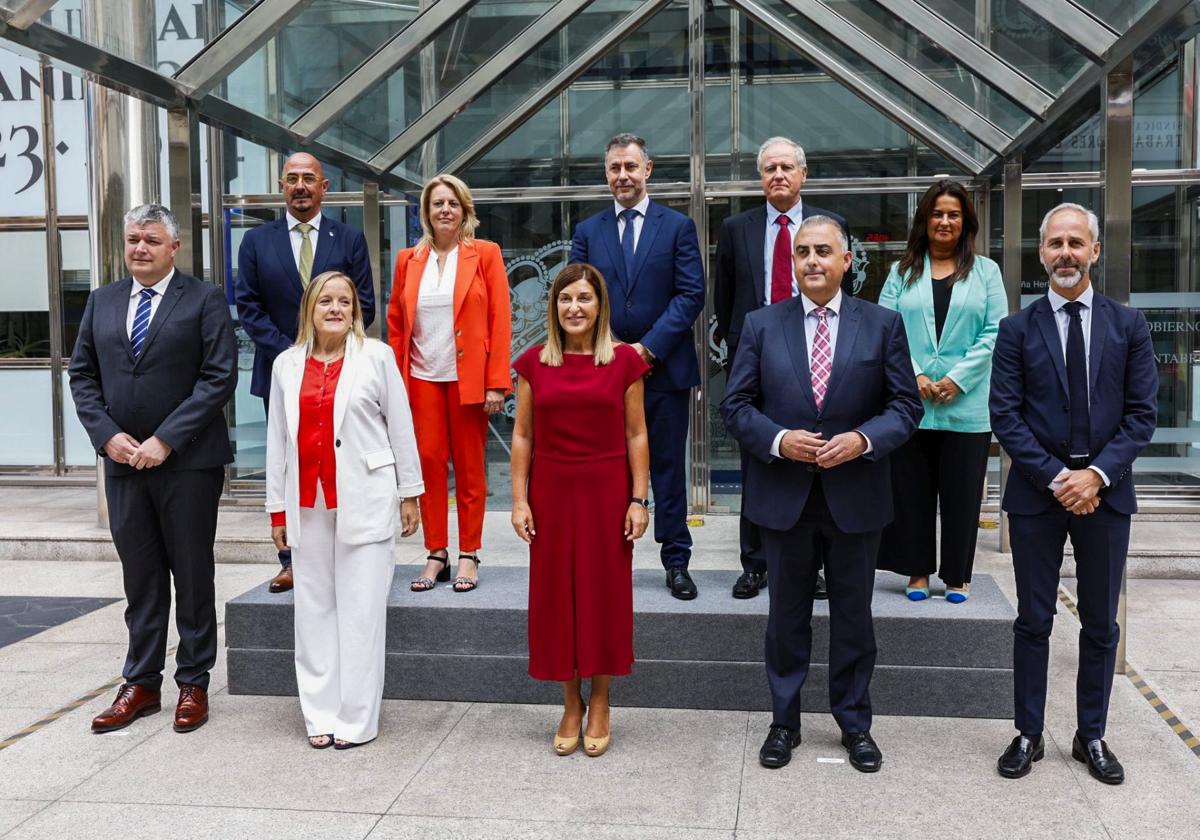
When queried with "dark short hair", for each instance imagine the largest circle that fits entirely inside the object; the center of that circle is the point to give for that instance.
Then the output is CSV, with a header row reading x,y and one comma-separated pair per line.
x,y
625,138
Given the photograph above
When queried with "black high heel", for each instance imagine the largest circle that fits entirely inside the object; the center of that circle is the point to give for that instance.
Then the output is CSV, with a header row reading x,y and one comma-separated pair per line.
x,y
424,584
466,584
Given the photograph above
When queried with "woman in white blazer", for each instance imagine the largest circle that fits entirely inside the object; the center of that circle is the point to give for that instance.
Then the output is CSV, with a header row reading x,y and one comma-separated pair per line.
x,y
340,419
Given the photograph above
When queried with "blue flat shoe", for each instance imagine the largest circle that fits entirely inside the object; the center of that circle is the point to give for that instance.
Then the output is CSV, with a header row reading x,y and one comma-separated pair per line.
x,y
916,593
957,596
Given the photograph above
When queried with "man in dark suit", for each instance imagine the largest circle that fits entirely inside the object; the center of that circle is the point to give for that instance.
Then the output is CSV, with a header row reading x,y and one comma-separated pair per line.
x,y
1073,401
153,367
650,259
275,263
820,393
754,269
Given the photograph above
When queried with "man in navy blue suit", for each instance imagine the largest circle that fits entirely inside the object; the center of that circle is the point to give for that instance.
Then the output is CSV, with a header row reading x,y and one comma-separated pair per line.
x,y
650,259
821,391
1073,401
753,268
275,263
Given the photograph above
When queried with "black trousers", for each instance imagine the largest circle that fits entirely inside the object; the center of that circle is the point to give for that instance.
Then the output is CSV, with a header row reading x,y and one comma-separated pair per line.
x,y
793,559
667,427
1101,541
936,469
163,524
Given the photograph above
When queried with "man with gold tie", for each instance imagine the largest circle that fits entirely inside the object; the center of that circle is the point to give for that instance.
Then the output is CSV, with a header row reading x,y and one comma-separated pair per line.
x,y
276,261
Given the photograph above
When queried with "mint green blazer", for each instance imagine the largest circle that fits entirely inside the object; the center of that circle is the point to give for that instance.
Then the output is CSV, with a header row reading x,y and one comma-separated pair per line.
x,y
977,304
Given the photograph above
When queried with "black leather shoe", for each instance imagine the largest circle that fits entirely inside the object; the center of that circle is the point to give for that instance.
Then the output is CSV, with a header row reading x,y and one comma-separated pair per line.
x,y
865,756
820,593
1018,759
776,751
748,584
1100,761
680,583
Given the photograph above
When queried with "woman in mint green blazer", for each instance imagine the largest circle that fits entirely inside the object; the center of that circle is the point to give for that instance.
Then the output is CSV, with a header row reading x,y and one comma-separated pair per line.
x,y
951,300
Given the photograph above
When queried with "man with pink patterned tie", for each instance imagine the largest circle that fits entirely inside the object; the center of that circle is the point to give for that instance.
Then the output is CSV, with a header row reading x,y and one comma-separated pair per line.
x,y
753,268
820,393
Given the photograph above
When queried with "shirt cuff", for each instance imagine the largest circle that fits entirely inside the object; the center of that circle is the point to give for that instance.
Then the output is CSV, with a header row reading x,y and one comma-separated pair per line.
x,y
870,447
1058,479
279,519
775,444
1100,473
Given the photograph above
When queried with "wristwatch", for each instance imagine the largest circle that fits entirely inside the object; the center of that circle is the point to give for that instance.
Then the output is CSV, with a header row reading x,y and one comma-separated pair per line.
x,y
643,502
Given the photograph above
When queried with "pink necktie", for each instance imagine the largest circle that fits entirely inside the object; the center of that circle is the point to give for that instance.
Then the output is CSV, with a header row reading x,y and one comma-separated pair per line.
x,y
781,263
822,358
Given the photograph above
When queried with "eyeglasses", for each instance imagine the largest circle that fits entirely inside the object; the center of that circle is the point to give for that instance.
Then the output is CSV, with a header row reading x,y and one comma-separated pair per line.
x,y
309,179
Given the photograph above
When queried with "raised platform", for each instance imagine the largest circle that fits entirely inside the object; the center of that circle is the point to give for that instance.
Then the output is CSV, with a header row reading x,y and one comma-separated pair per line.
x,y
934,658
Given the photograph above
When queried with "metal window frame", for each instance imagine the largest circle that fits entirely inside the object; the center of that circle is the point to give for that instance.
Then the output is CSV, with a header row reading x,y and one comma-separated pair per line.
x,y
1093,36
379,65
556,84
900,71
849,79
482,78
971,54
24,16
223,55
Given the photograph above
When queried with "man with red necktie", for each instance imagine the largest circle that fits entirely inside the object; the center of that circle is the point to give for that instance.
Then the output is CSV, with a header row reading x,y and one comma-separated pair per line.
x,y
753,268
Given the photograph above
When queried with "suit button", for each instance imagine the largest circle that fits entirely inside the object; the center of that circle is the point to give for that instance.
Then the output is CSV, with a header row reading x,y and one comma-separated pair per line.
x,y
1064,444
811,468
458,333
460,353
629,304
1066,408
337,442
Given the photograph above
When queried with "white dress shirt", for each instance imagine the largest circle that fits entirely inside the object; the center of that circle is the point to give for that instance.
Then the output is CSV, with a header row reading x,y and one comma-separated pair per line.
x,y
638,220
135,293
769,245
1063,321
433,347
294,235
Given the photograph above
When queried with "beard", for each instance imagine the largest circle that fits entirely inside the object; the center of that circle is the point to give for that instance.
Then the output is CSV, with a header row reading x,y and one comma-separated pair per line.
x,y
1070,281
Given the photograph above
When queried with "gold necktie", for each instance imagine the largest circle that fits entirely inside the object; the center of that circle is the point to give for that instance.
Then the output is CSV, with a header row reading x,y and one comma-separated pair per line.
x,y
306,253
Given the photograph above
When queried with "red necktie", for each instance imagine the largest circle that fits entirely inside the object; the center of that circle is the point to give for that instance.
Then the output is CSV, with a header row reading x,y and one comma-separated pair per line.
x,y
781,263
822,358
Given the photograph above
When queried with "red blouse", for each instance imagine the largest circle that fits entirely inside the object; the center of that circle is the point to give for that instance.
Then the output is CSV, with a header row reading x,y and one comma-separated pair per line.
x,y
314,439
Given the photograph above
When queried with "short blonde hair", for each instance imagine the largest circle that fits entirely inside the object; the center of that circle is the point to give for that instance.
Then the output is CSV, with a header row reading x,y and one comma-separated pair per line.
x,y
306,331
463,193
602,338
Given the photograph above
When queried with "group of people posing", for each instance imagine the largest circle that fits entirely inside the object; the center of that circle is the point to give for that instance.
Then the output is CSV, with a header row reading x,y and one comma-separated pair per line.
x,y
860,426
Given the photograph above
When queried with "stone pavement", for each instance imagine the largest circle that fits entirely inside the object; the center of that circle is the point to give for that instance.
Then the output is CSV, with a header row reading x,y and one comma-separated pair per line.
x,y
481,770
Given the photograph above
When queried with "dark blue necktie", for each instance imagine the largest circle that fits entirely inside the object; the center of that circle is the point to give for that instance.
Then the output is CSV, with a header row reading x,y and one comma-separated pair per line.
x,y
141,321
1077,381
627,240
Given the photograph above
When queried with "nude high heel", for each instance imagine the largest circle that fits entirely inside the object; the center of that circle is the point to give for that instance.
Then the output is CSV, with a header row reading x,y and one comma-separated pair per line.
x,y
566,746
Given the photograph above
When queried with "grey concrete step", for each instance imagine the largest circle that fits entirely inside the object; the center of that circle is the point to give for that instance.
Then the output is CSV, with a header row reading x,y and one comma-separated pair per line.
x,y
934,658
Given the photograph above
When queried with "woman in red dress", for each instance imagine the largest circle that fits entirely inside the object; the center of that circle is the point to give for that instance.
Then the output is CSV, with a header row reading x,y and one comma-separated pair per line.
x,y
581,471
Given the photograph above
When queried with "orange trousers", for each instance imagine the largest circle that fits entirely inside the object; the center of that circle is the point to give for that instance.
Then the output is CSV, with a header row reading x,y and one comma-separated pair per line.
x,y
447,430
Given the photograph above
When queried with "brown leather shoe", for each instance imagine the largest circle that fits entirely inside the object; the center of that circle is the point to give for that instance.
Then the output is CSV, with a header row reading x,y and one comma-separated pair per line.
x,y
192,710
133,702
282,582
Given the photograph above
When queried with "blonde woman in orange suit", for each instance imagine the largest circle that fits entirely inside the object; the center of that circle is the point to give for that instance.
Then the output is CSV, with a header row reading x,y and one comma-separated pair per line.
x,y
450,326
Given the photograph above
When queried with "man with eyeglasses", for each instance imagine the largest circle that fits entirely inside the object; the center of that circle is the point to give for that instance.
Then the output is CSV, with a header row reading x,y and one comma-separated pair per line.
x,y
275,262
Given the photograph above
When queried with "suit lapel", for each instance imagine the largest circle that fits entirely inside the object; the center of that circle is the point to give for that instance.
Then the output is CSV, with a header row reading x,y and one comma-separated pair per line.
x,y
1100,319
292,378
283,251
325,238
795,325
959,293
412,281
351,363
1044,316
847,333
755,234
468,261
120,314
924,291
608,232
174,294
645,240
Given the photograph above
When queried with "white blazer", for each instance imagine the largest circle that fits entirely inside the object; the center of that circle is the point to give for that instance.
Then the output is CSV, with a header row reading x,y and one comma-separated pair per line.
x,y
375,446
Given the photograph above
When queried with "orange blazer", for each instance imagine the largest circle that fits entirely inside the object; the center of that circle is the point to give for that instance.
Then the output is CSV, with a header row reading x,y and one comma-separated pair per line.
x,y
482,316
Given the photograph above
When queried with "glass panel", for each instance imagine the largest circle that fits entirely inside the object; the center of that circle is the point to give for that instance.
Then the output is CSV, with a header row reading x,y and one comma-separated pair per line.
x,y
77,446
24,297
314,52
26,436
1119,14
161,34
76,283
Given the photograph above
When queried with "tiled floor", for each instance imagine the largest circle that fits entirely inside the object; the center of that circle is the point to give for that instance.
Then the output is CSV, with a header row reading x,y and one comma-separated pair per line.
x,y
21,616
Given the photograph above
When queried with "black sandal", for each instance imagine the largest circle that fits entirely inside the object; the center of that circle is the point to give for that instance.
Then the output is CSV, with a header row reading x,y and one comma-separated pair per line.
x,y
424,584
324,746
466,584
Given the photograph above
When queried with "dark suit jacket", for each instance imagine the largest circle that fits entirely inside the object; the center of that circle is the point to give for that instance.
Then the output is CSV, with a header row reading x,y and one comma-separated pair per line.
x,y
1029,404
739,276
658,305
268,286
871,390
177,389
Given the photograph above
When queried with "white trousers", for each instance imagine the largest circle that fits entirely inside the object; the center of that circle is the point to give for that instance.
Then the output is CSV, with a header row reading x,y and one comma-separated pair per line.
x,y
341,594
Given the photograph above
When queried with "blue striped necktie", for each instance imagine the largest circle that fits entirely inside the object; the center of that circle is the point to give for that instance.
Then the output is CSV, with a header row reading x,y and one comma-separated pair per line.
x,y
141,321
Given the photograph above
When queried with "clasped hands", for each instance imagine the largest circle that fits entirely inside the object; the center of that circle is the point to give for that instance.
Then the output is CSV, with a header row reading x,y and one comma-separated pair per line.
x,y
1078,490
942,391
811,448
124,449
